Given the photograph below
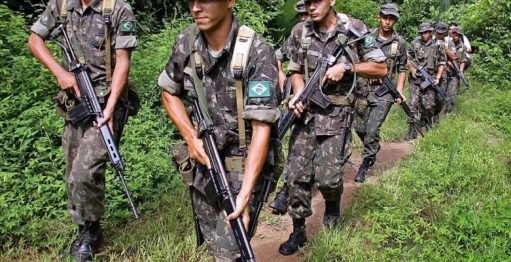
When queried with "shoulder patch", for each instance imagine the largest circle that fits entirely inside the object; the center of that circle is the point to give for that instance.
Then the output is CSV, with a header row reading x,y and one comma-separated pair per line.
x,y
369,41
128,26
259,89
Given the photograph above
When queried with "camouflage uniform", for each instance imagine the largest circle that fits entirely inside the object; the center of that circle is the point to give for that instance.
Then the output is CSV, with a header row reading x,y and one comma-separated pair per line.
x,y
372,110
453,79
426,103
220,87
84,151
314,151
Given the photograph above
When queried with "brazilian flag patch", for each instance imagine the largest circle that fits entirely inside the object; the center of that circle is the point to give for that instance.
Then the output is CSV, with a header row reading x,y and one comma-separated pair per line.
x,y
259,89
369,41
128,26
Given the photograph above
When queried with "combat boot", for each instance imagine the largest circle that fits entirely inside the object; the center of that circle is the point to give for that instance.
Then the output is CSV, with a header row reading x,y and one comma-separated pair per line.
x,y
412,133
362,171
296,240
279,204
332,213
87,243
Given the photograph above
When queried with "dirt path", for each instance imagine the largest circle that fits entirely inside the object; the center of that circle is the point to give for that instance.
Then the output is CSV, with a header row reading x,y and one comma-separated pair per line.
x,y
277,229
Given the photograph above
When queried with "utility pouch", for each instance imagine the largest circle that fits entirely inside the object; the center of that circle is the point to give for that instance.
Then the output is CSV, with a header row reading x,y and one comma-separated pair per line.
x,y
79,113
183,162
59,102
381,91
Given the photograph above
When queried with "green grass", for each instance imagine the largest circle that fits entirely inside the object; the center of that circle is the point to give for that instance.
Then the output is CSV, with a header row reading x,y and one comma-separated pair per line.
x,y
449,200
159,236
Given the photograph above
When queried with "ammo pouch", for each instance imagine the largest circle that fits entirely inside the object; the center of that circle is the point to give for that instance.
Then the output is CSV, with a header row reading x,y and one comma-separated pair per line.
x,y
381,91
183,162
70,108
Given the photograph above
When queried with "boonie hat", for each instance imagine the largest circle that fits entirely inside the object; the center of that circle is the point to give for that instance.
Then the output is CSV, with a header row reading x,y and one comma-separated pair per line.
x,y
390,9
424,27
300,7
441,27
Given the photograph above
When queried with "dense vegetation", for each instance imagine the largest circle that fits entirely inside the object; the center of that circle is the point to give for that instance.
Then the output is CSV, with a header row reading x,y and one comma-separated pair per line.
x,y
449,199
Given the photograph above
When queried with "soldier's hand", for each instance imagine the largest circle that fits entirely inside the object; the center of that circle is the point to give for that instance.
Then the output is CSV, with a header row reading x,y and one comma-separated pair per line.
x,y
67,81
197,152
436,80
241,208
107,118
414,73
334,74
298,108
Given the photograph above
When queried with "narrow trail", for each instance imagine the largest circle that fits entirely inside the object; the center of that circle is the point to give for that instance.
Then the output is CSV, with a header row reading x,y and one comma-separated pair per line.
x,y
271,234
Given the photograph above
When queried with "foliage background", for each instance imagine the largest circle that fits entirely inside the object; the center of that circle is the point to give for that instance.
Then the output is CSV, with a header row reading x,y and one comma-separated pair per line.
x,y
32,195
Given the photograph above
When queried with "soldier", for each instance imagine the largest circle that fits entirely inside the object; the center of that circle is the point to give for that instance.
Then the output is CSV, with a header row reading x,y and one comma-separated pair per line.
x,y
282,53
372,108
439,37
315,155
84,151
431,55
457,47
279,204
200,65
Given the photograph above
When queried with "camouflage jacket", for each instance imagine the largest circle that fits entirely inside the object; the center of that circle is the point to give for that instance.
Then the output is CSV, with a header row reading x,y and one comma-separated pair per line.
x,y
329,121
86,29
282,54
261,71
385,45
430,54
460,50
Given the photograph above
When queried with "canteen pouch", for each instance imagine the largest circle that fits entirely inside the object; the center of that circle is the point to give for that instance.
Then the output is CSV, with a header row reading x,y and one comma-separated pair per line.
x,y
183,162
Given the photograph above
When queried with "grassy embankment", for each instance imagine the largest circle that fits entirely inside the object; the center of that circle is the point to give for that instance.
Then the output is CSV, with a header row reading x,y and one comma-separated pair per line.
x,y
449,200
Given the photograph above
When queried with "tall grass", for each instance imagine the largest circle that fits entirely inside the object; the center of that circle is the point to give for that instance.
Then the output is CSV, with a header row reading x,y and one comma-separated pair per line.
x,y
449,200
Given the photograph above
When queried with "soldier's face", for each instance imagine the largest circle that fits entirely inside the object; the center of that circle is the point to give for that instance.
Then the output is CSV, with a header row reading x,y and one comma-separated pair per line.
x,y
387,22
303,16
455,37
318,9
426,36
208,14
451,28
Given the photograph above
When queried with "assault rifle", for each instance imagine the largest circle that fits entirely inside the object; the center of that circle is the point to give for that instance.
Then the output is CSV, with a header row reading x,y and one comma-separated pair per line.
x,y
90,107
460,74
427,80
389,87
221,183
348,121
311,90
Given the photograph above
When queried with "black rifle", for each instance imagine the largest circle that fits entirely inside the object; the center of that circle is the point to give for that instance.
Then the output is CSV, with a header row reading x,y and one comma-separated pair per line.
x,y
427,80
90,103
348,121
311,90
222,184
269,184
389,87
460,74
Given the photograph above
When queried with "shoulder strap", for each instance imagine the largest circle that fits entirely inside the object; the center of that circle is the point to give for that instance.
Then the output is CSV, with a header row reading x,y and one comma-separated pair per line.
x,y
63,10
393,55
107,10
196,63
239,61
305,43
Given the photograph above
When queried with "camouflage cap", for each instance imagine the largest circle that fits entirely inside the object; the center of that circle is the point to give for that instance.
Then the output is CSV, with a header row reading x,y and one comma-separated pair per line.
x,y
441,27
424,27
390,9
457,30
300,7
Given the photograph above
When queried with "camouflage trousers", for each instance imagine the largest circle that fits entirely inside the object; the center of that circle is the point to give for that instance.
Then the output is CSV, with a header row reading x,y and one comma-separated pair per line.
x,y
425,104
218,235
452,92
314,161
85,156
371,112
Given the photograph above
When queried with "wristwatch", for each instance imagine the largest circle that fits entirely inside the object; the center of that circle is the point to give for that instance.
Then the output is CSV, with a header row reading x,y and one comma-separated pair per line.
x,y
347,67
